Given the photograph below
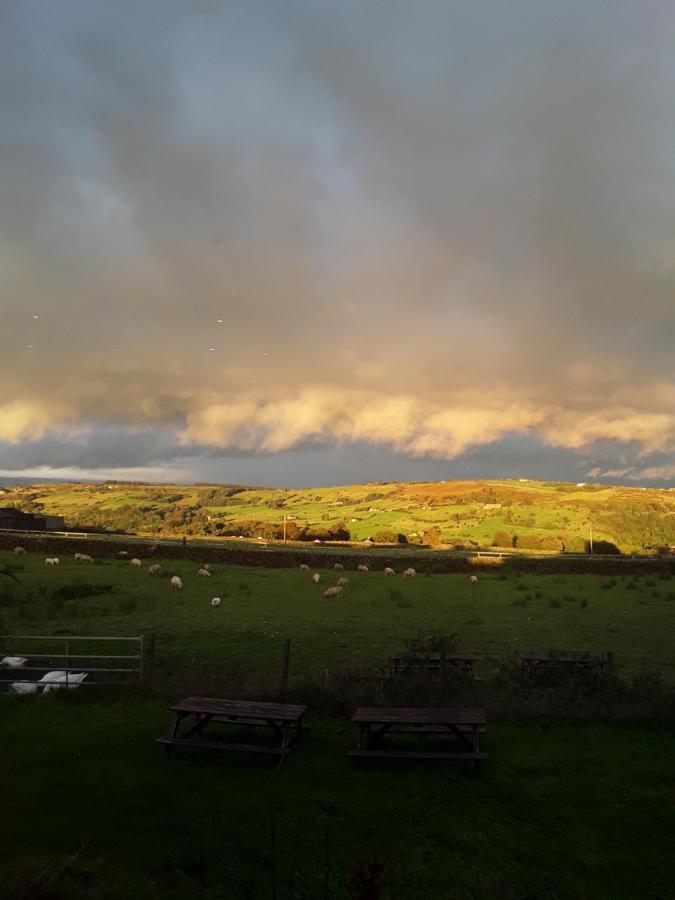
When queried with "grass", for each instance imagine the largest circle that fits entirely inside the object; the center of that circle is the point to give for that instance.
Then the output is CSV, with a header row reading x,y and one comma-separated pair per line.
x,y
567,810
375,615
563,812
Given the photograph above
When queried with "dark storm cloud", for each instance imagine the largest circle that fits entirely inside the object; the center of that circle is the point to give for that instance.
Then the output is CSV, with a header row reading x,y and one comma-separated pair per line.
x,y
425,227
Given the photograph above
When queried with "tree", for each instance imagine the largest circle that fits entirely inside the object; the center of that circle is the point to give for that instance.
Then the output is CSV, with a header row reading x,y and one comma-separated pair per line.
x,y
502,539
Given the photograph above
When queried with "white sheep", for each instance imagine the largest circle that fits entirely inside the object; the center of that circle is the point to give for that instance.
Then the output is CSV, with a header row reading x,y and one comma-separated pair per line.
x,y
49,561
338,567
19,551
216,601
389,571
136,563
333,591
176,582
343,582
409,573
13,662
83,557
154,569
304,567
55,560
65,680
204,573
362,569
23,687
123,553
316,578
473,579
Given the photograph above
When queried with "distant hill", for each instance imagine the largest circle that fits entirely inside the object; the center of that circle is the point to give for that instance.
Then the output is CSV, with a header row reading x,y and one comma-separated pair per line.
x,y
524,514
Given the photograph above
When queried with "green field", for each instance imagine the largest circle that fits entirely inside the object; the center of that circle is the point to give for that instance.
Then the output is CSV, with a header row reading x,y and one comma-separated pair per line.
x,y
631,615
527,515
562,809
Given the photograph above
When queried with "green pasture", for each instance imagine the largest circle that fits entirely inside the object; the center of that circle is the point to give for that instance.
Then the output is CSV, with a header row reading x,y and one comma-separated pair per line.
x,y
631,615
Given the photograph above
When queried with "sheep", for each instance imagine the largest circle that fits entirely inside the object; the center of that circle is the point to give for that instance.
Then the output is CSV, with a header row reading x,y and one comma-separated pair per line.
x,y
176,582
338,567
83,557
316,578
389,571
207,566
49,561
343,582
136,563
19,551
55,560
65,680
123,553
13,662
23,687
409,573
362,569
304,567
216,601
333,591
473,579
154,570
204,573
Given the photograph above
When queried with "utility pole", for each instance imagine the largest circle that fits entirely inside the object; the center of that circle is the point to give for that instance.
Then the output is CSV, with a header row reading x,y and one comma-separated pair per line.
x,y
284,529
590,526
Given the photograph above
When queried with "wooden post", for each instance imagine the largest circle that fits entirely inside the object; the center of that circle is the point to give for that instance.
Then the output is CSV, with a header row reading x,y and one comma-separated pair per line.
x,y
285,662
443,669
148,661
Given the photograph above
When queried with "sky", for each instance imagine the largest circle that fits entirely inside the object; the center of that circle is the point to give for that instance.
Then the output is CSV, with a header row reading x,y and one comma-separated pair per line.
x,y
313,243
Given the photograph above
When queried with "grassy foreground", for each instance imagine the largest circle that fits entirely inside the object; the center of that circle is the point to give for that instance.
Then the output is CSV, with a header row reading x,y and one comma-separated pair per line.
x,y
573,811
634,616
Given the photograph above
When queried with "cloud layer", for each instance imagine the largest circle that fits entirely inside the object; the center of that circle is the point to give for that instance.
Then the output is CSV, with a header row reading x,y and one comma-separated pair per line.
x,y
421,229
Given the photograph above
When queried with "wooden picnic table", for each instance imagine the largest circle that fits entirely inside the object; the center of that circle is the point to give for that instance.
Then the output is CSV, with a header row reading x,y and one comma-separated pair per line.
x,y
463,725
284,720
571,661
430,663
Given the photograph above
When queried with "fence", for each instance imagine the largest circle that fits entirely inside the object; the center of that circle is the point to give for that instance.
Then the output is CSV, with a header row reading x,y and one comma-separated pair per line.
x,y
68,656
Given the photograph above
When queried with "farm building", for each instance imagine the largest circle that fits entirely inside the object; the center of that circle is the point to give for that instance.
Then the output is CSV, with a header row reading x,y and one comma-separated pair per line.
x,y
16,520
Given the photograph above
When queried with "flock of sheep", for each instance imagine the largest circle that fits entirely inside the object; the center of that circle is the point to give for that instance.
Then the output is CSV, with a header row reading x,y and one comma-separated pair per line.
x,y
204,572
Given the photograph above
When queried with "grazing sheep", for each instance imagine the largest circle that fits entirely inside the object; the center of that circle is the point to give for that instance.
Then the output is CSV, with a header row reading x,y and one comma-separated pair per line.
x,y
304,567
154,570
83,557
338,567
19,551
22,687
316,578
409,573
55,560
362,569
123,553
69,680
473,579
13,662
333,591
136,562
176,582
216,601
204,573
389,571
343,581
49,561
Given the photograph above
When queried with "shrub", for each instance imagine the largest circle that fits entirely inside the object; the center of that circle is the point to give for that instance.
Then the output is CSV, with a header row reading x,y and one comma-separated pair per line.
x,y
502,539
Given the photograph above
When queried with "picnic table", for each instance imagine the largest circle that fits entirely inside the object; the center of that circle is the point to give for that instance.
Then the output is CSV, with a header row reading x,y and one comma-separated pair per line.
x,y
533,662
464,726
284,720
430,663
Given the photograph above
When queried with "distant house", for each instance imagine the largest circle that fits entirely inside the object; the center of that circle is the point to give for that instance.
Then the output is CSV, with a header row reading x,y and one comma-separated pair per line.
x,y
16,520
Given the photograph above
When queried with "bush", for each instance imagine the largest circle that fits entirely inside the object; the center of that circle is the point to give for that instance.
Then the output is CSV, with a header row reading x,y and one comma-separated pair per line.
x,y
502,539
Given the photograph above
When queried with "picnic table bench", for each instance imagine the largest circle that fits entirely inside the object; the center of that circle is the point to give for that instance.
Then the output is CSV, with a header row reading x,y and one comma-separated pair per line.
x,y
430,663
535,661
284,720
463,725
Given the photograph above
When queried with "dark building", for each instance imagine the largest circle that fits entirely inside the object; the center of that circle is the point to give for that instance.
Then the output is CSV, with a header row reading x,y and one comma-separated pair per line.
x,y
16,520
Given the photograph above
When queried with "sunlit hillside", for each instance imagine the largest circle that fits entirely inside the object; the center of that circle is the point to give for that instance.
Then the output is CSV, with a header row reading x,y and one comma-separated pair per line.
x,y
527,515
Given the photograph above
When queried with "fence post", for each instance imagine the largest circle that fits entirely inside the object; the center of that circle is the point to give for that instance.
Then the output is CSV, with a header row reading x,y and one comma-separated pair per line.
x,y
443,666
285,663
148,659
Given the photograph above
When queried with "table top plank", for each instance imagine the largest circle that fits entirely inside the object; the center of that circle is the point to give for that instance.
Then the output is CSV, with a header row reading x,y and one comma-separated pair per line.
x,y
241,709
415,715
